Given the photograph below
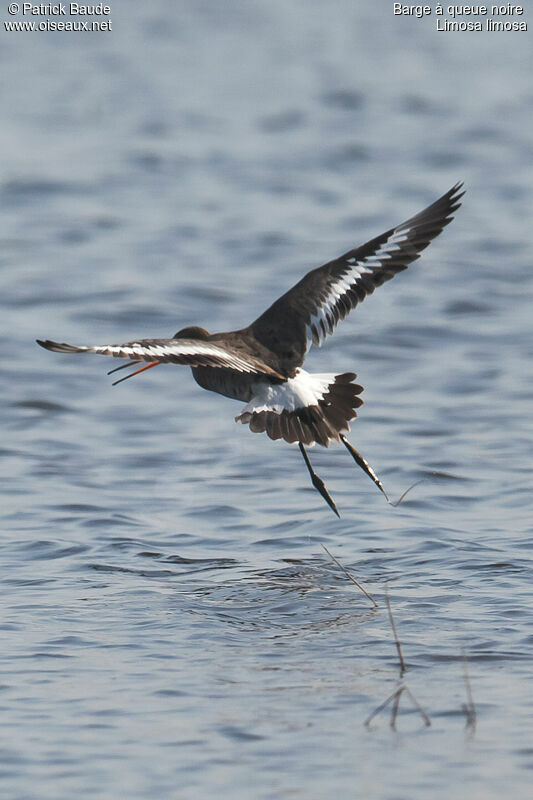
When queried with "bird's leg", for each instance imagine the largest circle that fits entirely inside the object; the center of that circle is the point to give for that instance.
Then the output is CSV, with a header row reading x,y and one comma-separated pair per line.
x,y
365,466
317,482
363,463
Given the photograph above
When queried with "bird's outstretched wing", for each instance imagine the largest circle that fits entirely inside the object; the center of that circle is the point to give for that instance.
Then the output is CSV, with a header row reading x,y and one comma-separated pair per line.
x,y
313,307
174,351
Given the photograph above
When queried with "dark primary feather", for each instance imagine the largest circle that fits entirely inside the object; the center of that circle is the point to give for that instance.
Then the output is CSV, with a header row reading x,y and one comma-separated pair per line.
x,y
313,307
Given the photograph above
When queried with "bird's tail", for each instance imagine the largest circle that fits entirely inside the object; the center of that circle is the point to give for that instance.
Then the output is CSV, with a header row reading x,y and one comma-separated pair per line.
x,y
307,408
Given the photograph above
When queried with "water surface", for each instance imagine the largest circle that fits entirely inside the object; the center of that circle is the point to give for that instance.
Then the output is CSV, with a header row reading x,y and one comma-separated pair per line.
x,y
171,625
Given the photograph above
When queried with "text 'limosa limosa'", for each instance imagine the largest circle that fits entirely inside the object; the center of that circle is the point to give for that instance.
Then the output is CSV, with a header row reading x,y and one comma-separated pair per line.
x,y
261,365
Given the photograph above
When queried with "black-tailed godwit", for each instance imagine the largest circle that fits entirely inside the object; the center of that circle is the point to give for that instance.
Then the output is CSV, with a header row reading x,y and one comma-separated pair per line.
x,y
261,365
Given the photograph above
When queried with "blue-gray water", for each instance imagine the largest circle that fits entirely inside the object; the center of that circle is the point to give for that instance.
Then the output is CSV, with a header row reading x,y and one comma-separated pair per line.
x,y
170,625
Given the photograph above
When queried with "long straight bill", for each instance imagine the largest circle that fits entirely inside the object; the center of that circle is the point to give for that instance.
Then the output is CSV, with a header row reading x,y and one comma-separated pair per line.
x,y
123,366
137,371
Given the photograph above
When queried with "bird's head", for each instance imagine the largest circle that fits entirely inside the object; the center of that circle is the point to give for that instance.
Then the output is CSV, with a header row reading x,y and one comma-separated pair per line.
x,y
194,332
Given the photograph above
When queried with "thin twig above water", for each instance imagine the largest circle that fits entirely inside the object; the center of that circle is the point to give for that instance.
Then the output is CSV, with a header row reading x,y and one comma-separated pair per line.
x,y
469,708
402,687
349,576
397,642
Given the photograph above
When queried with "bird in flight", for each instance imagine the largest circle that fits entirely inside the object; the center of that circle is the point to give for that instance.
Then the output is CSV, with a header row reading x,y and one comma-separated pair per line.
x,y
261,365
